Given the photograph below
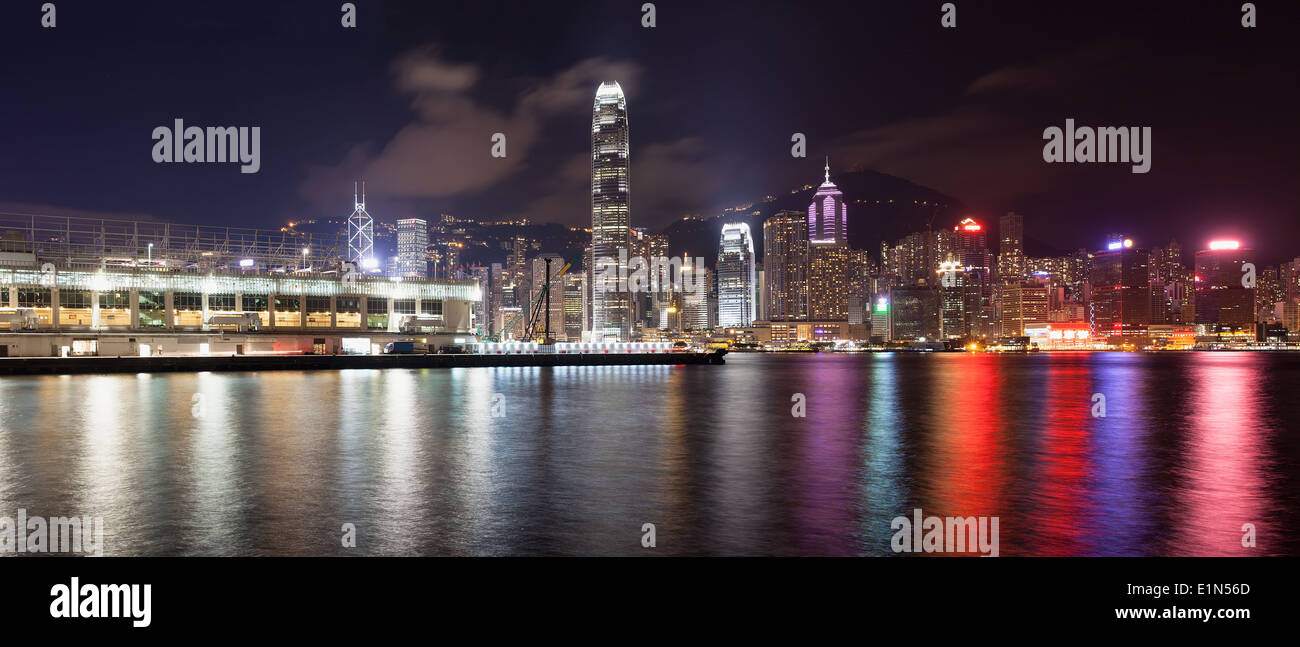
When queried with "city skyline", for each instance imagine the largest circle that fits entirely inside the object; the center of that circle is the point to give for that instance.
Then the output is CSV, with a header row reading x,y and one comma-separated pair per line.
x,y
966,126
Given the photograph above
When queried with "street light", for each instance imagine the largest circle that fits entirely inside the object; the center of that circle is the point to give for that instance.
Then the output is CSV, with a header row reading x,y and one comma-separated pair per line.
x,y
305,252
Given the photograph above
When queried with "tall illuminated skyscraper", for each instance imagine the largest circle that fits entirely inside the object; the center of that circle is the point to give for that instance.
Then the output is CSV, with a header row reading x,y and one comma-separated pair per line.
x,y
828,216
828,254
610,211
361,233
737,293
1011,248
785,258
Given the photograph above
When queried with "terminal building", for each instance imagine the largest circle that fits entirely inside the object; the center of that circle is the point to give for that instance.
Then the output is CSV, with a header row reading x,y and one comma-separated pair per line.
x,y
78,286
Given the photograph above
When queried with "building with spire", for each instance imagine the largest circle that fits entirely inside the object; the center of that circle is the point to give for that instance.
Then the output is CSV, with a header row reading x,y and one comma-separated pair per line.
x,y
828,253
361,233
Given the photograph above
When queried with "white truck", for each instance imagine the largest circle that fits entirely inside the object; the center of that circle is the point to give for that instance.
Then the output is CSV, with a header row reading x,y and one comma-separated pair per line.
x,y
242,321
16,319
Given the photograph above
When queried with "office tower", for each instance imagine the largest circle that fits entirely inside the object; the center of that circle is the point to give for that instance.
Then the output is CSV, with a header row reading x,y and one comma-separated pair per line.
x,y
694,309
1269,290
737,294
412,248
1120,303
860,271
880,331
575,305
954,301
785,259
971,250
483,275
1011,248
610,213
1224,303
914,313
537,299
495,296
1023,304
828,254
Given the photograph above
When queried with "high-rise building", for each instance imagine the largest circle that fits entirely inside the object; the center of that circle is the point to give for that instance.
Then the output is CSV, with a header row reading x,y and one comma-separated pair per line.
x,y
1223,299
1011,248
412,247
575,306
1024,304
1120,300
785,261
972,251
361,233
610,212
828,254
694,306
914,313
737,293
828,216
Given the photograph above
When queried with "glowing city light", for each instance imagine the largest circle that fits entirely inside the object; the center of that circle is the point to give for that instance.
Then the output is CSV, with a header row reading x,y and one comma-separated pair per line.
x,y
1225,244
247,262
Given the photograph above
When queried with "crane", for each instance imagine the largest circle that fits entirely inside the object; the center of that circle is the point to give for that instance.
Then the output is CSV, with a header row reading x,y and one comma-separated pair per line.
x,y
543,300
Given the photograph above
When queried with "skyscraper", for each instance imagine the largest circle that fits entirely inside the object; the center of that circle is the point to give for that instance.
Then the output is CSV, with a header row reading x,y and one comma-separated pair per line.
x,y
1121,291
828,254
412,247
785,259
1011,249
610,212
361,233
1223,299
737,295
972,251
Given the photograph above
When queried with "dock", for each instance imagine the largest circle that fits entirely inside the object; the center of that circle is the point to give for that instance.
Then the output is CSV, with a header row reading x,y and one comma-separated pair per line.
x,y
306,362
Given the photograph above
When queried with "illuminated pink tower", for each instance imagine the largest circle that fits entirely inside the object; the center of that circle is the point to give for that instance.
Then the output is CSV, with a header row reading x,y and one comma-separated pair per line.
x,y
828,216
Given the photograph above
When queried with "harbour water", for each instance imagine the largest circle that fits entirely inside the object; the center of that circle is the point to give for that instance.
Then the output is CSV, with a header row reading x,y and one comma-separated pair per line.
x,y
575,460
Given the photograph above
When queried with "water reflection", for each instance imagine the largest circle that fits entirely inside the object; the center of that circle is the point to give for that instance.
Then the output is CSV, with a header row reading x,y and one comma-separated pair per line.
x,y
1192,446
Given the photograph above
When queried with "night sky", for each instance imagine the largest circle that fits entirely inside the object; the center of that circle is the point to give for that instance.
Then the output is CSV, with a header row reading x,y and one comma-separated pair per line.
x,y
410,98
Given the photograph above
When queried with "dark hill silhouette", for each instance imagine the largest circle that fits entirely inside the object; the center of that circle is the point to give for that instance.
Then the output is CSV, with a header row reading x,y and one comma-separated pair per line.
x,y
881,207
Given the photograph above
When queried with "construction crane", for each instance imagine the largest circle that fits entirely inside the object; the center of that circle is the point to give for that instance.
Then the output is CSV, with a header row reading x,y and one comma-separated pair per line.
x,y
543,300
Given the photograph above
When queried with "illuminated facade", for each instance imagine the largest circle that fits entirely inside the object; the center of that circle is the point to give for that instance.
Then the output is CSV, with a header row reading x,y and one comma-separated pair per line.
x,y
1222,299
610,211
144,300
737,293
412,248
970,248
361,234
828,254
1011,248
1024,305
1120,304
785,261
828,216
